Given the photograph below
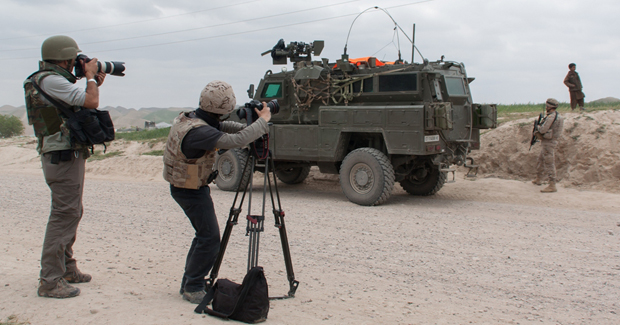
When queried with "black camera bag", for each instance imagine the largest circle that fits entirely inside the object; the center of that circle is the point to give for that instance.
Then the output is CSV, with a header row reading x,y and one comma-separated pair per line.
x,y
91,126
247,302
87,126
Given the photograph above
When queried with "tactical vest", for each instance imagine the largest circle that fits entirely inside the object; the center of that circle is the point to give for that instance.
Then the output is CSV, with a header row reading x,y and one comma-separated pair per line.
x,y
178,169
45,118
555,131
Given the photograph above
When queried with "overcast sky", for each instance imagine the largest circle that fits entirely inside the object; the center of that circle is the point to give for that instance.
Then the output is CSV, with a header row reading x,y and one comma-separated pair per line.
x,y
518,50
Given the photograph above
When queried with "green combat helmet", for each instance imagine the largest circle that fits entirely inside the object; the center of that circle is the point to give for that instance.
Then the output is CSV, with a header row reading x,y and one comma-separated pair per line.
x,y
59,48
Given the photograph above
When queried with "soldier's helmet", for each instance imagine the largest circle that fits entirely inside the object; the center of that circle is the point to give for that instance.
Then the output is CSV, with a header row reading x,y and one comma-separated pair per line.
x,y
217,97
60,48
552,103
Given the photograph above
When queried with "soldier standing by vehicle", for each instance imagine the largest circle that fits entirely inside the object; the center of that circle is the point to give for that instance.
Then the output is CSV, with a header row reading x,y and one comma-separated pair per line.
x,y
62,162
188,163
549,132
573,82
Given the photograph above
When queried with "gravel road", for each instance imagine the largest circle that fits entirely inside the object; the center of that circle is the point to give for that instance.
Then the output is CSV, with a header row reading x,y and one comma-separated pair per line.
x,y
489,251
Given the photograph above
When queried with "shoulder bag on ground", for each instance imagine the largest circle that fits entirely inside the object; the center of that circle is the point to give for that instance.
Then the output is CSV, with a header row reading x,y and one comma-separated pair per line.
x,y
247,302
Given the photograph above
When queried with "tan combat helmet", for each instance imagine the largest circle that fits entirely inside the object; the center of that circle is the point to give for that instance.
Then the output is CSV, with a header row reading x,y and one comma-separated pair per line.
x,y
552,103
59,48
217,97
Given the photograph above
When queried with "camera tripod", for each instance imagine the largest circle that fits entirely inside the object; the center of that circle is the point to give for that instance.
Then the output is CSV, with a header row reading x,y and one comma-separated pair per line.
x,y
255,223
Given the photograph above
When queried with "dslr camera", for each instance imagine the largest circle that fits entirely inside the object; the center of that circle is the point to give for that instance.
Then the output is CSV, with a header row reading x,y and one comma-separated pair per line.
x,y
247,111
114,68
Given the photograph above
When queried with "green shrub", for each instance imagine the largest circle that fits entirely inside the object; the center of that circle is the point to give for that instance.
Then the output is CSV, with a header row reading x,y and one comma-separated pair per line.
x,y
154,153
10,126
144,134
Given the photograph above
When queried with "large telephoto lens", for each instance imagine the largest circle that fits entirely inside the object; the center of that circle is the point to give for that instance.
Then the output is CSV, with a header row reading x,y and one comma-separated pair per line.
x,y
114,68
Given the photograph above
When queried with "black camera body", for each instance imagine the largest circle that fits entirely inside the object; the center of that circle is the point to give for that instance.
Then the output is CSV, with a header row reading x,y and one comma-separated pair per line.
x,y
260,147
114,68
247,111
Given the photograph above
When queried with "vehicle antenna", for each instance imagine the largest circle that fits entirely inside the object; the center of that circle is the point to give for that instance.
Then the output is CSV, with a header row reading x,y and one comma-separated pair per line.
x,y
396,26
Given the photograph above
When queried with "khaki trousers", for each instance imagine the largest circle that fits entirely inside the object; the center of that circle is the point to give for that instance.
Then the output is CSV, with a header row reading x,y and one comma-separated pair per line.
x,y
66,182
546,160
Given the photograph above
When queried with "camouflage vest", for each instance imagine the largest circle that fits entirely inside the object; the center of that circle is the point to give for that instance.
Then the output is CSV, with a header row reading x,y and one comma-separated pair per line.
x,y
45,118
178,169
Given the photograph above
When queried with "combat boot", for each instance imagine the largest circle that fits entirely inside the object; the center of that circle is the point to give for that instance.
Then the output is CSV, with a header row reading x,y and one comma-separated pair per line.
x,y
550,189
60,289
537,181
194,297
75,276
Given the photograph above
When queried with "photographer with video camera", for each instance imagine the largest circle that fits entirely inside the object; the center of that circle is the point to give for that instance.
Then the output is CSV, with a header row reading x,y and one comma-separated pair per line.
x,y
62,160
188,167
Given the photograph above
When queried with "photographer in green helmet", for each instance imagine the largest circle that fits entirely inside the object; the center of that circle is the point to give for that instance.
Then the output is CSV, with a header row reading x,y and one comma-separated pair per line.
x,y
63,162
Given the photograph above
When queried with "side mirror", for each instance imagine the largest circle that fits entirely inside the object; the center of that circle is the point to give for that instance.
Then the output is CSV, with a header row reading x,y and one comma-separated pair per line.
x,y
251,91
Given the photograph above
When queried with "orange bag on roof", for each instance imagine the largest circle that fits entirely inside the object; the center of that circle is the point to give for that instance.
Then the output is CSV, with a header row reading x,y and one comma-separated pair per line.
x,y
366,60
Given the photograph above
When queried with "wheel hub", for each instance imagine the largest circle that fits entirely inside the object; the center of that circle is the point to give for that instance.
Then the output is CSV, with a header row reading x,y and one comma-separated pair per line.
x,y
226,168
361,178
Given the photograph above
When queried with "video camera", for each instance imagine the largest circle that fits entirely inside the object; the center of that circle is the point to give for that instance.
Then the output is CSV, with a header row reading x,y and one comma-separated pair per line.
x,y
114,68
247,111
260,147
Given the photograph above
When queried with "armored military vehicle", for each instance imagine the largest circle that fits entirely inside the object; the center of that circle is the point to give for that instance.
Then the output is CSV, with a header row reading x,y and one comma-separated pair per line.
x,y
374,123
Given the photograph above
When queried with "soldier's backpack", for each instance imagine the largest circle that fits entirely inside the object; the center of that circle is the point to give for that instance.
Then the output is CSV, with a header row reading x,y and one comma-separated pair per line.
x,y
247,302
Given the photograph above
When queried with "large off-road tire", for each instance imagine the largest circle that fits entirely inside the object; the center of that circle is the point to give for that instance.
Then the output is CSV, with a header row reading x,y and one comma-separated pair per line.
x,y
367,176
424,181
230,166
293,175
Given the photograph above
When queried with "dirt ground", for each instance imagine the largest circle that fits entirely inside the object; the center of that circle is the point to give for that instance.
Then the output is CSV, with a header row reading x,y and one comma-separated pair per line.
x,y
489,250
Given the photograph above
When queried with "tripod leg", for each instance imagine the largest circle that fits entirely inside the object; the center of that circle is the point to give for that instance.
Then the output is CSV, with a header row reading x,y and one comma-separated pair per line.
x,y
256,223
233,217
293,284
255,227
232,220
279,223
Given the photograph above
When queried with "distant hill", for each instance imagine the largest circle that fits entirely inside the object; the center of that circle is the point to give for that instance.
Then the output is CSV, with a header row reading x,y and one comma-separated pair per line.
x,y
121,116
606,100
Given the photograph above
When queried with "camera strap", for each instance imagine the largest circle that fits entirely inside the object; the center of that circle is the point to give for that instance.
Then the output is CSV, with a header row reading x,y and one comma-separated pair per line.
x,y
63,108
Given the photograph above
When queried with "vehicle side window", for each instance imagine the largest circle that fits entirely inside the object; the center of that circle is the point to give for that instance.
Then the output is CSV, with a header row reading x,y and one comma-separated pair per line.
x,y
455,86
367,86
398,82
273,90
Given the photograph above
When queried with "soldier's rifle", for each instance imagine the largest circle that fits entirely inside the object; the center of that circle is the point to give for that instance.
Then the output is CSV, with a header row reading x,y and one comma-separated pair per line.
x,y
537,123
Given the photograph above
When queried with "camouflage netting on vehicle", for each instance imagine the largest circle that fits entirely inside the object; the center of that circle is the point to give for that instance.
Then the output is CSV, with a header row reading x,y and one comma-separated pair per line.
x,y
309,91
